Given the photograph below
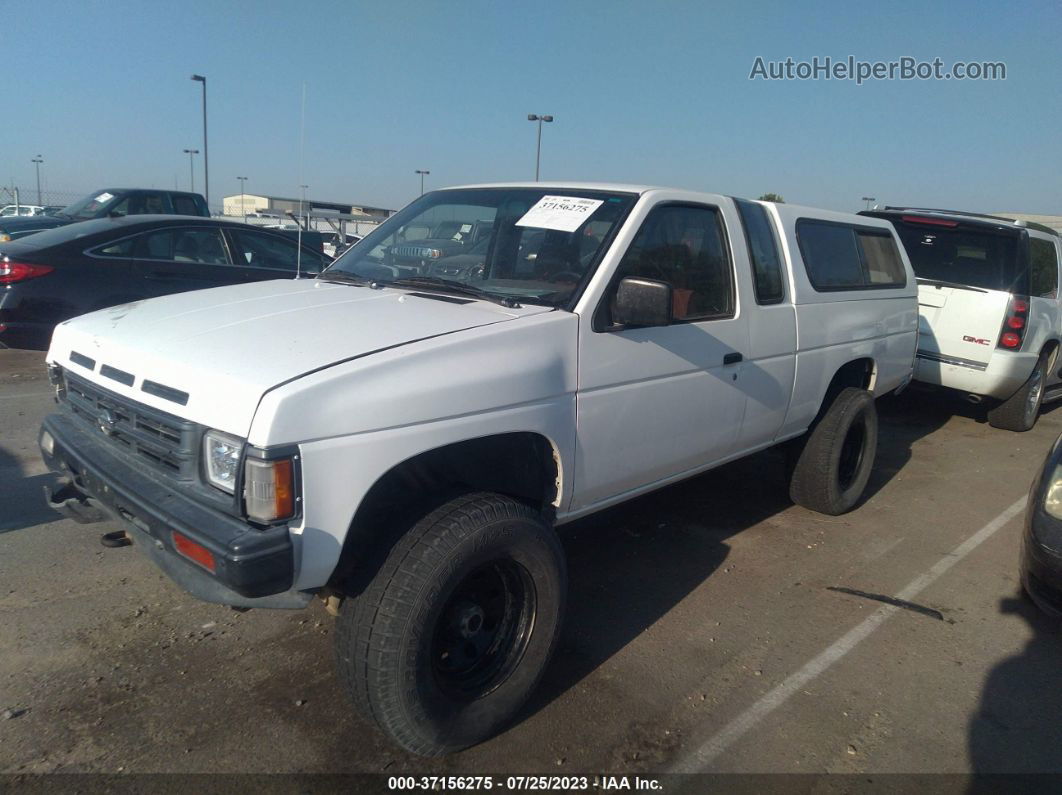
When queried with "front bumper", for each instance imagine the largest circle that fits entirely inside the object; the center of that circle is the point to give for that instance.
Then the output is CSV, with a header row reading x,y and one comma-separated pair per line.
x,y
254,567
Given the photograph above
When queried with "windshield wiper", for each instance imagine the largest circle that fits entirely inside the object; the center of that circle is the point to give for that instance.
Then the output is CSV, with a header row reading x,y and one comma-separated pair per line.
x,y
449,285
943,283
342,277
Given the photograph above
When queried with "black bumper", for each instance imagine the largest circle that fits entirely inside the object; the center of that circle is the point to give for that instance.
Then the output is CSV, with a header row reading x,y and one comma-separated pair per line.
x,y
254,567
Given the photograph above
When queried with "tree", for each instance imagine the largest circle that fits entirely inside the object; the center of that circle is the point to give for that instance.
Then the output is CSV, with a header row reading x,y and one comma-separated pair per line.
x,y
772,197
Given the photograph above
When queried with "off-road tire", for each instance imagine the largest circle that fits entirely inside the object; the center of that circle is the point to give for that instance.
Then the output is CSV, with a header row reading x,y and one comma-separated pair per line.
x,y
837,458
1020,411
388,638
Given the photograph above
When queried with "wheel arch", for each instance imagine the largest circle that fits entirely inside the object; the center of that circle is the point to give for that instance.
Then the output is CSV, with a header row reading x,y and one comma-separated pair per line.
x,y
524,465
860,373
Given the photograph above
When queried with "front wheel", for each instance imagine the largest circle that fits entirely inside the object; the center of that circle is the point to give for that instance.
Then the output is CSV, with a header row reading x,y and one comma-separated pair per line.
x,y
1020,411
455,630
834,465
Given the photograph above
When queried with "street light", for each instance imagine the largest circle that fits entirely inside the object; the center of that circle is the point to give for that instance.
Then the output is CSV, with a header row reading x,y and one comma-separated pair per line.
x,y
191,165
302,206
422,173
206,162
868,200
37,162
243,203
538,148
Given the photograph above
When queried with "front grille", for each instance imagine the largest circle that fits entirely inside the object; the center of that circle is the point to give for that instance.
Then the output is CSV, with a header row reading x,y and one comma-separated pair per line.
x,y
412,252
166,442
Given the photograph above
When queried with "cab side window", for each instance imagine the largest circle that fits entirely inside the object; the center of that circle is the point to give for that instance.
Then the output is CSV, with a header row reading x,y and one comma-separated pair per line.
x,y
1043,268
684,245
200,246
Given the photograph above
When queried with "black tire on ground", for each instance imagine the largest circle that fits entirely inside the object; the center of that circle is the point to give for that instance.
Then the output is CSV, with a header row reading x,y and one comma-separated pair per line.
x,y
455,629
1020,411
835,464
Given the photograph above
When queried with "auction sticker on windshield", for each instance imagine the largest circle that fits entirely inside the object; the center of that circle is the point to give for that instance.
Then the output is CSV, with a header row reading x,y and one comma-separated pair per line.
x,y
104,197
563,213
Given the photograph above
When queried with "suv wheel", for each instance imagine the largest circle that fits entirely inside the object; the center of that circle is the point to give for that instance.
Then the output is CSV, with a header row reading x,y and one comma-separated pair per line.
x,y
454,631
1020,411
834,465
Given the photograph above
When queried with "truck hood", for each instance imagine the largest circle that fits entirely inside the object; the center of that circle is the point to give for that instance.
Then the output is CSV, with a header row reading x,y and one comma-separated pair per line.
x,y
215,352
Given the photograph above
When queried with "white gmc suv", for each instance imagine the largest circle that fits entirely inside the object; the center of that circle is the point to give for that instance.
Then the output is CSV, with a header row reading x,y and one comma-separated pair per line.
x,y
990,312
401,435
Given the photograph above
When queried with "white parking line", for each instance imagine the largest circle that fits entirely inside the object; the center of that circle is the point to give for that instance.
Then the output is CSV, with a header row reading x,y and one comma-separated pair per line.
x,y
701,757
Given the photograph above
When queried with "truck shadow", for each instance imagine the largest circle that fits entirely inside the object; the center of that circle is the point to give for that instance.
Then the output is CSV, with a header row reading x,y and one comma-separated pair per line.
x,y
630,565
1016,729
22,499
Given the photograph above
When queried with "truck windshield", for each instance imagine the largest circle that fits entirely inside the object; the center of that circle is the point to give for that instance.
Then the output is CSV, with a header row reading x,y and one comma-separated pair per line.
x,y
526,244
968,255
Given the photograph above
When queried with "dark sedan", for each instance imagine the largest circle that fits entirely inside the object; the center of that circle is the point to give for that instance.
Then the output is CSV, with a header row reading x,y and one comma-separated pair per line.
x,y
1041,548
60,273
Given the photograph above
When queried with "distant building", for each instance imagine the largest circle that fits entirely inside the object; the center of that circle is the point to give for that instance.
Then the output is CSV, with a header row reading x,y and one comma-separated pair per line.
x,y
280,206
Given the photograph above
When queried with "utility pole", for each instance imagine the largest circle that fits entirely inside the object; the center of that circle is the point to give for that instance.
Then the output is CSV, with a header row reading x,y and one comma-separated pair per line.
x,y
37,162
206,161
538,147
243,202
191,165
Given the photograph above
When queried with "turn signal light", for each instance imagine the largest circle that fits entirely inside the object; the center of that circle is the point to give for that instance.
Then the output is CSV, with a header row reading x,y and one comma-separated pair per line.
x,y
269,489
11,272
196,553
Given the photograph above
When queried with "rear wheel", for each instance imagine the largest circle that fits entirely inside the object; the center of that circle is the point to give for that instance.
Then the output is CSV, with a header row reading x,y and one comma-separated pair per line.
x,y
1020,411
455,630
832,469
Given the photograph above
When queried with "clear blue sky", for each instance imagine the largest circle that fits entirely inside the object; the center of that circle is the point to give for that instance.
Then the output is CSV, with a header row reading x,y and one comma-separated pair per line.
x,y
654,92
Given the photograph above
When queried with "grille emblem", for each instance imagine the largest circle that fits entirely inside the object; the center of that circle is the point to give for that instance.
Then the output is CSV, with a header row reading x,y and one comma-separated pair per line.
x,y
106,420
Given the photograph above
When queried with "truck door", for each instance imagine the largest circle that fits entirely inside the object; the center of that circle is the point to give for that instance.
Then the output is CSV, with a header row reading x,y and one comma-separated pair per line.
x,y
657,402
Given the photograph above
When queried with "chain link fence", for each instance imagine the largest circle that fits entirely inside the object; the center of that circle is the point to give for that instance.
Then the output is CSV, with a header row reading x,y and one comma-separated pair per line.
x,y
29,197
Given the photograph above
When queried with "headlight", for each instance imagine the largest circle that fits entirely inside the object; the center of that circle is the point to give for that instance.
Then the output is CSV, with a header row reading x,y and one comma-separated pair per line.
x,y
1053,497
221,454
269,489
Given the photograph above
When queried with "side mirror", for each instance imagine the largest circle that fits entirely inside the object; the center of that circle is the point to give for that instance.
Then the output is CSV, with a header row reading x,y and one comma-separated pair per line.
x,y
642,302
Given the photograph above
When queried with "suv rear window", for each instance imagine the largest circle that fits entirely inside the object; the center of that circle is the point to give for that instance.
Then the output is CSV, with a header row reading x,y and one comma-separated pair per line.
x,y
846,257
964,255
1043,268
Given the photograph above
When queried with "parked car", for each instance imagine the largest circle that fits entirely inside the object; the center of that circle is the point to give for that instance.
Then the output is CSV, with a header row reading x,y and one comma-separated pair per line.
x,y
413,441
109,203
446,239
20,209
990,310
1041,548
59,273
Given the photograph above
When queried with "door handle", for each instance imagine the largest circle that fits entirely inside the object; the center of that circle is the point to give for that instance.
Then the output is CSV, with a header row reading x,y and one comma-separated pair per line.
x,y
732,358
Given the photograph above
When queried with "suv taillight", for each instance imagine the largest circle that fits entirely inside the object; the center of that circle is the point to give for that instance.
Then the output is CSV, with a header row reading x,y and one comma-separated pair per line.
x,y
11,272
1014,323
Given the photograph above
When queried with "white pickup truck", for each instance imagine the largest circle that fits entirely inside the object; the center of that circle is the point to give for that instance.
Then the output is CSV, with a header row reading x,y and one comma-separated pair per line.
x,y
402,444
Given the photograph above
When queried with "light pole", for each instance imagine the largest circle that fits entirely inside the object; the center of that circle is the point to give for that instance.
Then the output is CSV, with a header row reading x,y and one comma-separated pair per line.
x,y
191,165
206,161
243,203
37,162
302,206
422,173
538,148
868,200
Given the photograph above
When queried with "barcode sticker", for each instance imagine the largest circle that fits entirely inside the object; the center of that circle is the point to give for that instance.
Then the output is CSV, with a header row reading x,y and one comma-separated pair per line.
x,y
563,213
